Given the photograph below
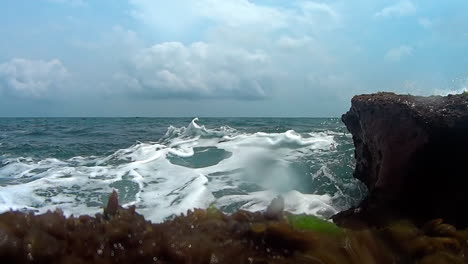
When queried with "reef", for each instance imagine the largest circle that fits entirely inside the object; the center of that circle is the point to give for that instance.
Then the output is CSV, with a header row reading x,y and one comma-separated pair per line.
x,y
411,153
208,236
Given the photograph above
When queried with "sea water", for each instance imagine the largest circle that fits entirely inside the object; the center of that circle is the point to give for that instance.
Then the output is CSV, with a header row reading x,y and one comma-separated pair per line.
x,y
166,166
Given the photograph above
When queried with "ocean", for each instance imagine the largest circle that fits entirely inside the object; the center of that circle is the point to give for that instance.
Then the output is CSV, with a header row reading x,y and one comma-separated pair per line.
x,y
166,166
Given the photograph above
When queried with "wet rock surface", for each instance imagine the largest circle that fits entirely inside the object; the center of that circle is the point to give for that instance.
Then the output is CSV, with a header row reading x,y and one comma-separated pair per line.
x,y
201,236
209,236
411,152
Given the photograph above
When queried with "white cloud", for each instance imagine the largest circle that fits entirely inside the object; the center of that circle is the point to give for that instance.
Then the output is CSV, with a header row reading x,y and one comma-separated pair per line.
x,y
232,14
179,17
244,51
402,8
396,54
227,12
31,78
236,13
316,13
174,16
202,70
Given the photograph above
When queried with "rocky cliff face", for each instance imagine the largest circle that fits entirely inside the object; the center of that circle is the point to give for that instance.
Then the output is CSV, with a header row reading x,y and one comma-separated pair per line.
x,y
412,153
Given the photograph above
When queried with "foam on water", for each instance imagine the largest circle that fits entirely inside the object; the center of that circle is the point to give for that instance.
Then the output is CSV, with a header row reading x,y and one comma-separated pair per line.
x,y
190,167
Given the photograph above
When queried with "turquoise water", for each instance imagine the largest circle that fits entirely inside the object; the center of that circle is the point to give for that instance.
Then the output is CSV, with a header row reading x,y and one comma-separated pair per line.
x,y
166,166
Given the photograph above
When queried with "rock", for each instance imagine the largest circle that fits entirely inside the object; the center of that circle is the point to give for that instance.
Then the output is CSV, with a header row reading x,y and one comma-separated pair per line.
x,y
411,153
200,236
112,205
275,209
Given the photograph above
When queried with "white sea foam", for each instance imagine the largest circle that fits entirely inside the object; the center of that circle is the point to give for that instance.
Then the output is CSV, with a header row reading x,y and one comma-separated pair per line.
x,y
151,176
294,201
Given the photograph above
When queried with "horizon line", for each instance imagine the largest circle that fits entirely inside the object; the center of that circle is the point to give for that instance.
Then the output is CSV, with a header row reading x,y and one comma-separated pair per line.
x,y
36,117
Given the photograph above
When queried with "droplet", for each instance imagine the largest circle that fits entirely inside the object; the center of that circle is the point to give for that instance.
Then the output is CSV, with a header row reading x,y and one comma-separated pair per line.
x,y
99,251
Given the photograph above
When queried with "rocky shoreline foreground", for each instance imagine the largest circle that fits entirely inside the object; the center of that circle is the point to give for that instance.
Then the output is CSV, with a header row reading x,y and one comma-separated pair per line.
x,y
410,152
208,236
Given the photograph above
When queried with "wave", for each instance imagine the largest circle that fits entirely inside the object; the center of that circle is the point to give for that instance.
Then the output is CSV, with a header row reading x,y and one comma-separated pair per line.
x,y
189,167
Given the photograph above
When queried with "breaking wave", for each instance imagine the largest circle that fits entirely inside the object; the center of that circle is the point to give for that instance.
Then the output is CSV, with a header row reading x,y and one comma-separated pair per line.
x,y
192,167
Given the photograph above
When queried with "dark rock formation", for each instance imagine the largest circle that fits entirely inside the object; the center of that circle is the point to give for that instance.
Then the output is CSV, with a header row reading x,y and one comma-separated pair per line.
x,y
412,153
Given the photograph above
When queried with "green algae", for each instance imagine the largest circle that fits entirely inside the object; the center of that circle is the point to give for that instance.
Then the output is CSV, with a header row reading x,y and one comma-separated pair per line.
x,y
313,223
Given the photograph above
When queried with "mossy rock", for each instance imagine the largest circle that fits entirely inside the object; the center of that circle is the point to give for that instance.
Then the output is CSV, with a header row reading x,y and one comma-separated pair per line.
x,y
313,223
214,212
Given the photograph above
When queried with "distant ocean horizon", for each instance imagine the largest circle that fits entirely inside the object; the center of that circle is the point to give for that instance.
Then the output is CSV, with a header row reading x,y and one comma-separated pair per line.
x,y
165,166
174,117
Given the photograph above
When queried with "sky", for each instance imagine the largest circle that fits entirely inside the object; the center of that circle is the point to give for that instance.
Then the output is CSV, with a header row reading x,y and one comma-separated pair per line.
x,y
264,58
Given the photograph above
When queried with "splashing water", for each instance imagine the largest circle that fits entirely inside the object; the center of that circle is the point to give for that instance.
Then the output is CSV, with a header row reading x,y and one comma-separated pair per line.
x,y
187,167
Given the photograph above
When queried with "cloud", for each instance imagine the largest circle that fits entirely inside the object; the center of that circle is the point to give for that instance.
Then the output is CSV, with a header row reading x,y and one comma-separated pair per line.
x,y
232,14
237,13
297,56
244,52
200,70
315,13
396,54
31,78
402,8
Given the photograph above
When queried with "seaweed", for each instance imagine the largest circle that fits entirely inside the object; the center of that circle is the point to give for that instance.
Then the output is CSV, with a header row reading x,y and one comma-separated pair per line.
x,y
313,223
121,235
